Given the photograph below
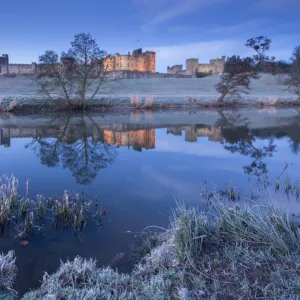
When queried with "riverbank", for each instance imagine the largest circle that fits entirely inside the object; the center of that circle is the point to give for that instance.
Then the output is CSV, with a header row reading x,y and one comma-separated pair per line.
x,y
231,251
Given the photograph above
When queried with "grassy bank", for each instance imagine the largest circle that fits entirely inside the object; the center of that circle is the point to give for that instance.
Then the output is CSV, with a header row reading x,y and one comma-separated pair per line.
x,y
228,252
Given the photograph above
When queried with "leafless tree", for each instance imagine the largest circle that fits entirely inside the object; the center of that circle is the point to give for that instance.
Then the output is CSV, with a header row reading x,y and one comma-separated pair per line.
x,y
76,76
237,79
293,81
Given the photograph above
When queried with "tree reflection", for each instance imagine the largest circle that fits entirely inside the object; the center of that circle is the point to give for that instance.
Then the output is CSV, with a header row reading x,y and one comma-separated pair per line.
x,y
239,139
294,134
76,149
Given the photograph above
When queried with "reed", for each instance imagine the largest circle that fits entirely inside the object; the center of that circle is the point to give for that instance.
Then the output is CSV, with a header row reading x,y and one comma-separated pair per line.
x,y
25,215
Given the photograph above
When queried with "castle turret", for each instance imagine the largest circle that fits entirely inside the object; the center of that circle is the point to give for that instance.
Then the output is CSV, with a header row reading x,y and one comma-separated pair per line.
x,y
4,61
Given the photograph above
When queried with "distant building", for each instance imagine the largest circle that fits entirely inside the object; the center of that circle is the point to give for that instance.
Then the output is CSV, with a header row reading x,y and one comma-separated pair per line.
x,y
193,67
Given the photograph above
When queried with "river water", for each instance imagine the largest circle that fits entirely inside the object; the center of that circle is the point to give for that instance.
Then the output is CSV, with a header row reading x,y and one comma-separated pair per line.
x,y
137,163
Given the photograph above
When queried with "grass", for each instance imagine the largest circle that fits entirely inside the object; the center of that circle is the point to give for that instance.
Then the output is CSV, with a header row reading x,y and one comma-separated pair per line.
x,y
232,251
24,215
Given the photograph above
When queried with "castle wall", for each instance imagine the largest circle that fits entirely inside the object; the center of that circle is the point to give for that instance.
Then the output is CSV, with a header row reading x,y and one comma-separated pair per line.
x,y
23,69
206,68
123,62
137,74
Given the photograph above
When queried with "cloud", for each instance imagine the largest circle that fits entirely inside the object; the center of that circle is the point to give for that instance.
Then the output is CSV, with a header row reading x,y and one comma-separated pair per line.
x,y
235,29
171,9
276,5
181,29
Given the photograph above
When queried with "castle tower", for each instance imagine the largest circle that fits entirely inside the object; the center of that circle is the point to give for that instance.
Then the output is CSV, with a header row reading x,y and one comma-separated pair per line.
x,y
192,66
218,64
150,61
4,62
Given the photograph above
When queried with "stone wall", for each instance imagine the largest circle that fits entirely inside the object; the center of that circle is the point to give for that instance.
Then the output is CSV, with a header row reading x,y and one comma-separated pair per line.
x,y
137,74
22,69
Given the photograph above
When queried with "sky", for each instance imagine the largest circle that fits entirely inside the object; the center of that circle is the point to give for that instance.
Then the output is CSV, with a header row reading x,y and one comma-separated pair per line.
x,y
174,29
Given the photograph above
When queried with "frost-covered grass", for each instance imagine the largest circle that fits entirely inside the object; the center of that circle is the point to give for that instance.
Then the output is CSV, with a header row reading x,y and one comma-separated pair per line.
x,y
147,93
229,252
8,272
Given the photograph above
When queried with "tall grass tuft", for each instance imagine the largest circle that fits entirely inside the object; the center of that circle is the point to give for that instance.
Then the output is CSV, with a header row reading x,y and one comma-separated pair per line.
x,y
8,273
135,101
149,101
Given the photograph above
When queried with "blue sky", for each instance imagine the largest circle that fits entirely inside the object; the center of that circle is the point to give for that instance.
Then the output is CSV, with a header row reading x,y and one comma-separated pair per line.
x,y
175,29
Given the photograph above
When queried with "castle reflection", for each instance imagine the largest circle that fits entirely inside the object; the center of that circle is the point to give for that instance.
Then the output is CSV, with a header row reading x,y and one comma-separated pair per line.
x,y
85,146
138,139
192,132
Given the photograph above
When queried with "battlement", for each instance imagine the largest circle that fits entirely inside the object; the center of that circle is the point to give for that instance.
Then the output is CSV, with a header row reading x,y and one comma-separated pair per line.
x,y
21,65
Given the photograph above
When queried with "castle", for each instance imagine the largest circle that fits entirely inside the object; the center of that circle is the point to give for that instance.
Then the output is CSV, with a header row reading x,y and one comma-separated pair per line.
x,y
137,61
193,67
132,65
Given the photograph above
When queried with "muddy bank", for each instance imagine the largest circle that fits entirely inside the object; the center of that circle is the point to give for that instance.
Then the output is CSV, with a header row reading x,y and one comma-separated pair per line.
x,y
192,104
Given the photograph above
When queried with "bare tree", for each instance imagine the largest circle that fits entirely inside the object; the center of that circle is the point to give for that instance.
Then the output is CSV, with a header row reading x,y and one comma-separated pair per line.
x,y
293,81
76,76
237,79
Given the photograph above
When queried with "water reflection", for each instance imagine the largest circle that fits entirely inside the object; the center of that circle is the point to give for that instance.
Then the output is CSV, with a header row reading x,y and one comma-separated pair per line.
x,y
240,139
80,148
85,146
